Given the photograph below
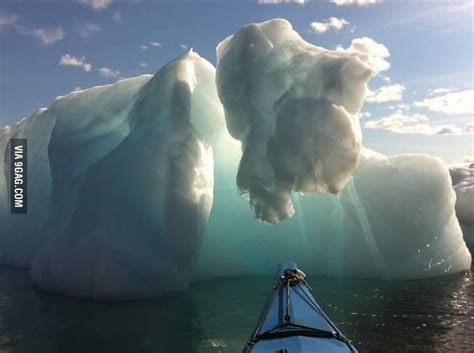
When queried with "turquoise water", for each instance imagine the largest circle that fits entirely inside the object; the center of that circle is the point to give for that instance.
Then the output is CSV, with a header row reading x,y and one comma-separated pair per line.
x,y
218,316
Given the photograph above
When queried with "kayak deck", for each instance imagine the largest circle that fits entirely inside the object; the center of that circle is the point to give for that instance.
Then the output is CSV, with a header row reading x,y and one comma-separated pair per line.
x,y
293,322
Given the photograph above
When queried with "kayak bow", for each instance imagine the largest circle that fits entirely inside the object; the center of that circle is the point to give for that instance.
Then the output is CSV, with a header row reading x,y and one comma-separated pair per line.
x,y
292,321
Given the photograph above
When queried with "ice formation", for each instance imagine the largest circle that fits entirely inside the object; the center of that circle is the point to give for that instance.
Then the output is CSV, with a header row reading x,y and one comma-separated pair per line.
x,y
122,184
394,220
122,178
463,183
294,107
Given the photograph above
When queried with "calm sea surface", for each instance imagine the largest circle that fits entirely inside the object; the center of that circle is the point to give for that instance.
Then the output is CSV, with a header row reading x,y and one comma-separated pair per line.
x,y
218,316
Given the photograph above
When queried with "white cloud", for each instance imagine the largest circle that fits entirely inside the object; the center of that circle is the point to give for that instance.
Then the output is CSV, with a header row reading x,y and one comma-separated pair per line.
x,y
403,106
97,4
373,53
183,46
80,62
434,92
88,29
331,23
452,129
69,60
117,17
396,122
469,128
273,2
108,72
384,94
7,20
151,45
46,36
355,2
401,123
143,64
453,103
386,78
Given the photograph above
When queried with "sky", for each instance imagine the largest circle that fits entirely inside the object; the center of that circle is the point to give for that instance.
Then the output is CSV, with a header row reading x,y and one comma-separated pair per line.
x,y
420,100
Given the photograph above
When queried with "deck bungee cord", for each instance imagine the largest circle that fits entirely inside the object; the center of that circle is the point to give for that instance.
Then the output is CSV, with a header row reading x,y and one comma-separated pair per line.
x,y
292,321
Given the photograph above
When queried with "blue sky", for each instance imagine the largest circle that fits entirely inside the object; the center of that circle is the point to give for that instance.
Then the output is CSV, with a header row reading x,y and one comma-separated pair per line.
x,y
422,103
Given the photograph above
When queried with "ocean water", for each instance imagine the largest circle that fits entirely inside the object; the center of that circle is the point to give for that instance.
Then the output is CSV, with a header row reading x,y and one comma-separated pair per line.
x,y
435,315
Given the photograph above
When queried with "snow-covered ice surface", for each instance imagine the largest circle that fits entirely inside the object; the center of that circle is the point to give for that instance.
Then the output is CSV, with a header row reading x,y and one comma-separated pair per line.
x,y
294,106
122,179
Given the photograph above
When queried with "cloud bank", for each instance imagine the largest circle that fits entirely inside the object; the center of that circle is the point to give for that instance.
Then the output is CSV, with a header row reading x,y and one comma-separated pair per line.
x,y
453,103
402,123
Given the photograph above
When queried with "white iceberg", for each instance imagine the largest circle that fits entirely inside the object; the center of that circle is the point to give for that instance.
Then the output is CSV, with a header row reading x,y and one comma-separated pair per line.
x,y
122,179
295,108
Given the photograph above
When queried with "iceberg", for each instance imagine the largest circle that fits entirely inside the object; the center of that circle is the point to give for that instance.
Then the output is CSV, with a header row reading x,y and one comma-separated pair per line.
x,y
295,108
20,235
395,219
121,184
132,185
463,183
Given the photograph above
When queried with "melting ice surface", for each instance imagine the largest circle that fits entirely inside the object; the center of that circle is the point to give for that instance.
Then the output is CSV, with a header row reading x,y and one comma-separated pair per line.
x,y
294,107
123,178
121,184
463,183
